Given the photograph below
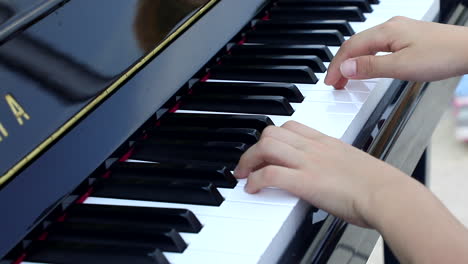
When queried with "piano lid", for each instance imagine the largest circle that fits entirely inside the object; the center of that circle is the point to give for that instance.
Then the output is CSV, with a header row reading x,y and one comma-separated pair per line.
x,y
59,69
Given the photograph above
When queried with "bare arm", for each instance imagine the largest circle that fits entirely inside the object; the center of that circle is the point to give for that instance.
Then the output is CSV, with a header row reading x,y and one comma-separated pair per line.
x,y
352,185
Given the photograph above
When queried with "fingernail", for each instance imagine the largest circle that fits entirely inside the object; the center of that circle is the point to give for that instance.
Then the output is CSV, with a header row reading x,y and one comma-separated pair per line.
x,y
348,68
326,79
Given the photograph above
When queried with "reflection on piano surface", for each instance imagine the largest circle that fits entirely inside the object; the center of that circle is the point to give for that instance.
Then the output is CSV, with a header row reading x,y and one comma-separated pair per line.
x,y
162,189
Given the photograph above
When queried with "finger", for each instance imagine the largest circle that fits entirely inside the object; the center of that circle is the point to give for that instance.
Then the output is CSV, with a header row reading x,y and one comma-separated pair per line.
x,y
366,67
368,42
341,83
268,151
275,176
284,135
303,130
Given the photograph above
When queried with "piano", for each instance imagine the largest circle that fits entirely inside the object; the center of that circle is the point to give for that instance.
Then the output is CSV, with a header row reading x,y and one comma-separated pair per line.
x,y
121,121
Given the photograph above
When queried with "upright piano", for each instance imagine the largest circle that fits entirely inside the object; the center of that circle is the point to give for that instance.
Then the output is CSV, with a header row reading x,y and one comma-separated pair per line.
x,y
122,120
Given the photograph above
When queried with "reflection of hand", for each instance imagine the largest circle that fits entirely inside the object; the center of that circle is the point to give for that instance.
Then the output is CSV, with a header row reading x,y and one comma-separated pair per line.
x,y
155,19
421,51
324,171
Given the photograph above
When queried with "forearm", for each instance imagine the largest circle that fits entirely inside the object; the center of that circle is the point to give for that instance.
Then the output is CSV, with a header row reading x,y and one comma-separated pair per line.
x,y
415,224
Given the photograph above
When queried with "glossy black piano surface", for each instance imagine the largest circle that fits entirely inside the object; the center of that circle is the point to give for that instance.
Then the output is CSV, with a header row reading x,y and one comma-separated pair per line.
x,y
57,66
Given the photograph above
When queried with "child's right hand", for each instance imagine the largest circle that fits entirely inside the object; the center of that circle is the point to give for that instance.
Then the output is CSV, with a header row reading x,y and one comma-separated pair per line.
x,y
420,51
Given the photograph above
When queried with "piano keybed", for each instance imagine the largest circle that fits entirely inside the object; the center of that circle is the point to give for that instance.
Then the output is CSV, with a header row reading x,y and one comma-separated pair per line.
x,y
172,197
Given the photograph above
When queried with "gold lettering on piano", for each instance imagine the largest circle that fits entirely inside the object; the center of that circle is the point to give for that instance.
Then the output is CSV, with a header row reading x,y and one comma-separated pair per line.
x,y
3,132
16,108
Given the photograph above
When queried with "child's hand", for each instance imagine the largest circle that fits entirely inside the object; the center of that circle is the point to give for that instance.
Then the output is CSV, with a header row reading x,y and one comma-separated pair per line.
x,y
326,172
421,51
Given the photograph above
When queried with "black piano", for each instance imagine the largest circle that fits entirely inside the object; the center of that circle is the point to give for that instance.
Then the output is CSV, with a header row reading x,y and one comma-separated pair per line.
x,y
121,122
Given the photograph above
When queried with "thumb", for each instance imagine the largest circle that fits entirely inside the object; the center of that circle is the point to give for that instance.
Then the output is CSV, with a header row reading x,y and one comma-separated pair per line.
x,y
366,67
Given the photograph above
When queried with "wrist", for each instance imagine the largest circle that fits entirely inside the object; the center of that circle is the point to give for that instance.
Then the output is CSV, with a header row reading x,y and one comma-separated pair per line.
x,y
390,186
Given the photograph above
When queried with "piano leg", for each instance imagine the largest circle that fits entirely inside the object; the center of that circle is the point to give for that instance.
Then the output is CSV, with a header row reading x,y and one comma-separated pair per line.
x,y
420,171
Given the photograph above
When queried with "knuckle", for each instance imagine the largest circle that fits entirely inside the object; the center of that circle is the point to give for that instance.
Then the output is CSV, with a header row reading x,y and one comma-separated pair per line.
x,y
269,131
393,24
290,124
346,45
366,65
269,175
265,144
398,19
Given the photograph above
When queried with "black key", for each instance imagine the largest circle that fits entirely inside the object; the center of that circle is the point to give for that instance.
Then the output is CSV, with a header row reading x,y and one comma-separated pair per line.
x,y
350,13
181,220
278,24
289,74
179,151
120,235
79,253
257,122
320,51
250,104
329,37
374,1
361,4
149,190
312,61
244,135
289,91
220,176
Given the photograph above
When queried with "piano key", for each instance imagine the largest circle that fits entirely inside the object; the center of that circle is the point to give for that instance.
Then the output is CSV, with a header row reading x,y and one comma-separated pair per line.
x,y
330,37
79,253
147,190
228,209
332,124
181,220
312,62
272,196
388,9
278,24
239,228
255,104
292,74
336,96
220,176
258,122
244,135
117,235
364,5
320,51
235,235
288,91
350,13
210,257
216,151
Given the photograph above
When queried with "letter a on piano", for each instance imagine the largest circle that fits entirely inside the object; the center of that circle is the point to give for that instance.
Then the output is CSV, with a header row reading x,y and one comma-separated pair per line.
x,y
16,108
3,132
